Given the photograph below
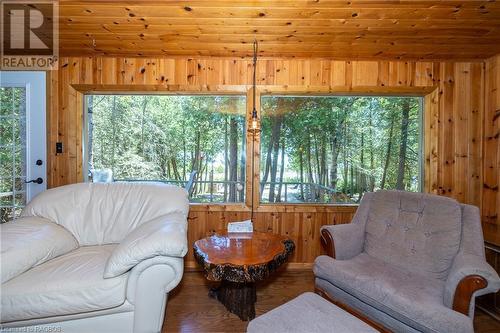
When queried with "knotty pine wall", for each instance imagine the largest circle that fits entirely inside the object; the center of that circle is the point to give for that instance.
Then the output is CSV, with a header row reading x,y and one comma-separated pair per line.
x,y
491,197
454,110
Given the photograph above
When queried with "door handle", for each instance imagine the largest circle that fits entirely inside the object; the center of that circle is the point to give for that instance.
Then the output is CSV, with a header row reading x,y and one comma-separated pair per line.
x,y
39,180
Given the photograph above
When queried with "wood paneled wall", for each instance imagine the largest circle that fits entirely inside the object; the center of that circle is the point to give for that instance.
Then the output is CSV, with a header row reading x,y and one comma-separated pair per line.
x,y
454,109
301,223
490,188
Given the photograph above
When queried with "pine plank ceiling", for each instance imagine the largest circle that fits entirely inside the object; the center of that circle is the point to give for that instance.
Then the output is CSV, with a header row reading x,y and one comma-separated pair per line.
x,y
356,29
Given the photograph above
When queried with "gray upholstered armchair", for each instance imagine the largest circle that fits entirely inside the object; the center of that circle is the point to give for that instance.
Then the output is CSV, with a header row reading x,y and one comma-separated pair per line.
x,y
411,262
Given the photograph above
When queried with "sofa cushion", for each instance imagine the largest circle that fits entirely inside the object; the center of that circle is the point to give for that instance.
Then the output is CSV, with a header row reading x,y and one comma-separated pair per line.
x,y
70,284
412,299
99,214
163,236
30,241
415,231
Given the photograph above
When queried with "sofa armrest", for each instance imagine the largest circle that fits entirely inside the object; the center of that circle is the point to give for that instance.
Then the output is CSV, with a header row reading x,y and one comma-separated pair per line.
x,y
343,241
30,241
163,236
470,276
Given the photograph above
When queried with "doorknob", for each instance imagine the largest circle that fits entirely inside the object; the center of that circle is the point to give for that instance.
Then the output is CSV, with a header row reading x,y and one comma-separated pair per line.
x,y
39,180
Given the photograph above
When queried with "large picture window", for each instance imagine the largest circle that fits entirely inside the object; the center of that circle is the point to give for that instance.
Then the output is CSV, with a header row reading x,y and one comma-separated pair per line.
x,y
167,138
332,149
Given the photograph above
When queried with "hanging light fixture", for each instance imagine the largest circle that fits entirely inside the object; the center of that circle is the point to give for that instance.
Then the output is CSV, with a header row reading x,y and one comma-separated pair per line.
x,y
254,123
254,110
247,225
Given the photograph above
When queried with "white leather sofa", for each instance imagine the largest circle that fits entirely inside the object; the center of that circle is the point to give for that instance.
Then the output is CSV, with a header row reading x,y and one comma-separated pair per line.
x,y
93,258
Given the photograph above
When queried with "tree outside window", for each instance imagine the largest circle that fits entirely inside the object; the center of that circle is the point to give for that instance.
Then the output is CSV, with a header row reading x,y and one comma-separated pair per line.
x,y
332,149
166,138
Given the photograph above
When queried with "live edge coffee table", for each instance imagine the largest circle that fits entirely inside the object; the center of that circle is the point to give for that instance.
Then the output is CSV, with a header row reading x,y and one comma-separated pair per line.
x,y
238,260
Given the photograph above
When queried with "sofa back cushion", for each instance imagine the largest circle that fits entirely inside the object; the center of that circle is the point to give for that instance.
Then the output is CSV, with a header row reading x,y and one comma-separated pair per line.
x,y
417,232
97,213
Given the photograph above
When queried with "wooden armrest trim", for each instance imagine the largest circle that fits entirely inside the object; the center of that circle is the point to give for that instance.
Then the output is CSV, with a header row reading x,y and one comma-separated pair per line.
x,y
463,294
328,243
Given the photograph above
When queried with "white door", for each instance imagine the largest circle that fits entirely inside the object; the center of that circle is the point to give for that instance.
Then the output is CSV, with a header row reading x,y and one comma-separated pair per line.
x,y
23,168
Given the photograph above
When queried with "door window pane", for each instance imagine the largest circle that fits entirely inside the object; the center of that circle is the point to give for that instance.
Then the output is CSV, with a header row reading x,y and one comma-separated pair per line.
x,y
12,152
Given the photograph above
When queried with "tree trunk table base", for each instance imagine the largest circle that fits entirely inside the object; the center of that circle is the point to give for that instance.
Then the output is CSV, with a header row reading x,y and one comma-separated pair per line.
x,y
238,298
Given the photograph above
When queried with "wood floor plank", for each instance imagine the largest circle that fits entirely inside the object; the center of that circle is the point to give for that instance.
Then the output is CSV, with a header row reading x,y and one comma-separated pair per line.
x,y
190,310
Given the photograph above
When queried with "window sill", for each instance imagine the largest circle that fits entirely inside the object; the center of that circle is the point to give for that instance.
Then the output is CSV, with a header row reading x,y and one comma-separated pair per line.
x,y
306,207
218,207
273,208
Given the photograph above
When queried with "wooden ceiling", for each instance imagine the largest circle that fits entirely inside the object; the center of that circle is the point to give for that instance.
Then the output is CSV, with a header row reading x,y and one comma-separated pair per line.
x,y
356,29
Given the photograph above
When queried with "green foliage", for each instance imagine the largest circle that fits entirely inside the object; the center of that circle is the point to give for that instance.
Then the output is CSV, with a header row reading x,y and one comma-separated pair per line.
x,y
336,148
313,149
12,152
165,138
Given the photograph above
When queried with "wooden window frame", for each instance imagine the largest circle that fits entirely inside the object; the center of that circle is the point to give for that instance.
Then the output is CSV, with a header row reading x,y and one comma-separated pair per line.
x,y
218,90
427,93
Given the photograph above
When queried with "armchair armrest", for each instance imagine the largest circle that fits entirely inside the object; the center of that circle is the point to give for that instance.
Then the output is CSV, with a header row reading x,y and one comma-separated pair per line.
x,y
470,276
343,241
163,236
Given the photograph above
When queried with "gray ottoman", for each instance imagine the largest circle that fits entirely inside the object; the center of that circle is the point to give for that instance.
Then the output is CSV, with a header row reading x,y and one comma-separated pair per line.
x,y
308,313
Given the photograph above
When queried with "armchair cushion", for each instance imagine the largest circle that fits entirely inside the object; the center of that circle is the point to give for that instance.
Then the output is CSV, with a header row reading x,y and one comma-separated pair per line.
x,y
69,284
30,241
162,236
469,264
348,239
417,232
410,298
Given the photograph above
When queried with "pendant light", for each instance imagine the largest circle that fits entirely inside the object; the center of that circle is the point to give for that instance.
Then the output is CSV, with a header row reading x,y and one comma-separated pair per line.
x,y
254,124
254,110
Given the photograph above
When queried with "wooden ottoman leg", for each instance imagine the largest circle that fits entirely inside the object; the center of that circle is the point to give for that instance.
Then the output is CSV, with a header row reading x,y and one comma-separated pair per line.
x,y
238,298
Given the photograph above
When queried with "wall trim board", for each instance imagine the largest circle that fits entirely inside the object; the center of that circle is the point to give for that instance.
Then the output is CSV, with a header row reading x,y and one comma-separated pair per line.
x,y
168,89
346,90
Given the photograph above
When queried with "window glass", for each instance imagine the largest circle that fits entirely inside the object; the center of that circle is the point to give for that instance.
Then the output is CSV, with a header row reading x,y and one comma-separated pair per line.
x,y
168,137
332,149
12,152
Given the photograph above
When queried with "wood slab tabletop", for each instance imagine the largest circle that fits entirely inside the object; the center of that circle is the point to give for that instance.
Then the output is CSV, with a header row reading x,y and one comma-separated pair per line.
x,y
242,257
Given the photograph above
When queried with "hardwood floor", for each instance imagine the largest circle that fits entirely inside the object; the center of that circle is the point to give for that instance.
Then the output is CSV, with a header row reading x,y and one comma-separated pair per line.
x,y
190,310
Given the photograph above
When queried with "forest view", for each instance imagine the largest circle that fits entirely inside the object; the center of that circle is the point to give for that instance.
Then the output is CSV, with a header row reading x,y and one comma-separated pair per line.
x,y
332,149
167,137
321,149
12,152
